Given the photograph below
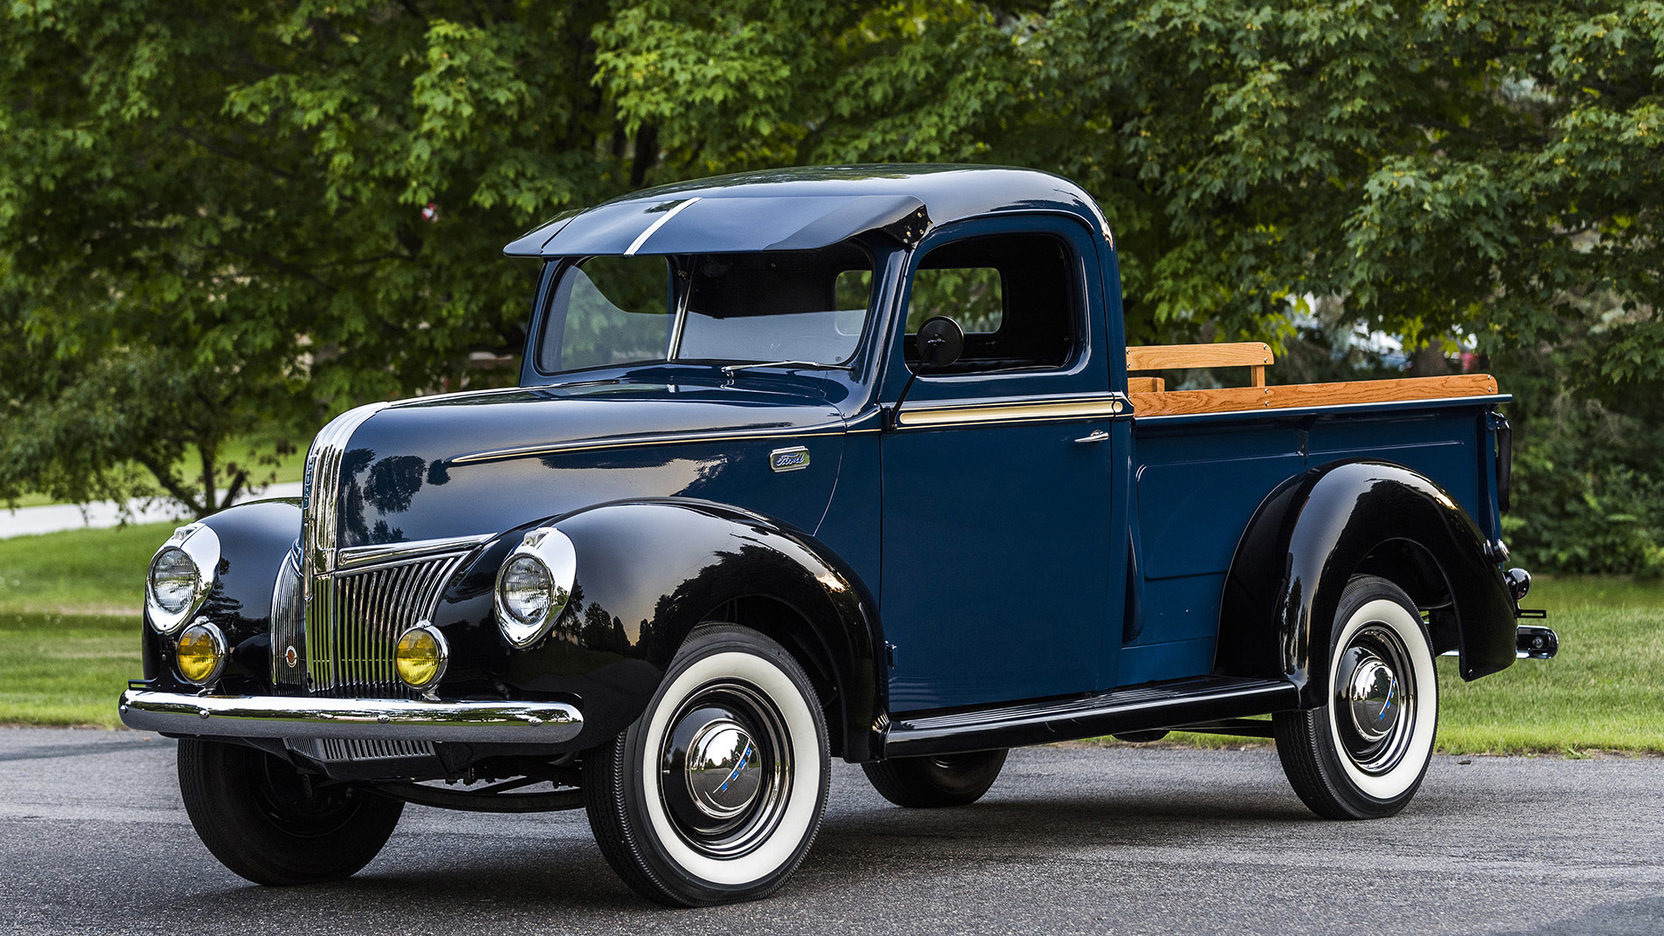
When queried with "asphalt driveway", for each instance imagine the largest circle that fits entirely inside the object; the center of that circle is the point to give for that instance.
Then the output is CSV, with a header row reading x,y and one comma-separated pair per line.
x,y
1070,840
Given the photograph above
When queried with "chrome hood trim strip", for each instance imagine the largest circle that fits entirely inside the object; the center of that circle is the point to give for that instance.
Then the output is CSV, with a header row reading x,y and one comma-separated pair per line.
x,y
456,395
320,523
394,554
529,451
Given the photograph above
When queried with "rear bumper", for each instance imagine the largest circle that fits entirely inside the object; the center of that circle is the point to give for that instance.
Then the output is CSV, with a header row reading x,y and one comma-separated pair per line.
x,y
179,713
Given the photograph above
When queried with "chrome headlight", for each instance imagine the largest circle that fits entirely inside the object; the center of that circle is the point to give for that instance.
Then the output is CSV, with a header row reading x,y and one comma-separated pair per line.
x,y
534,585
181,574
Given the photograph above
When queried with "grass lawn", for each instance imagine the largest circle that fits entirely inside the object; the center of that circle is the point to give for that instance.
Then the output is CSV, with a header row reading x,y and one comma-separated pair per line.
x,y
69,631
65,669
78,571
69,622
1605,691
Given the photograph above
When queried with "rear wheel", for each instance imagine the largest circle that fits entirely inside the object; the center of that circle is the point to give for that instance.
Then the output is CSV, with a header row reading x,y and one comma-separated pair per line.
x,y
931,782
715,794
269,823
1362,754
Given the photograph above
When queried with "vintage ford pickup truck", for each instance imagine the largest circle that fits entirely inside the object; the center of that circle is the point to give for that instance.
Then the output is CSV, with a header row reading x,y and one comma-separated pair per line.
x,y
827,462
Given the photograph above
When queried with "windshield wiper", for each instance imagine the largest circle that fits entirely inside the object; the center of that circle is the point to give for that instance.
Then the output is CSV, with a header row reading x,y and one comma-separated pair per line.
x,y
729,369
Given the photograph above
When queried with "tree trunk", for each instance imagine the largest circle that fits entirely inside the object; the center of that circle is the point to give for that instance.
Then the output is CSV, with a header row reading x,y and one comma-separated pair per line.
x,y
1429,362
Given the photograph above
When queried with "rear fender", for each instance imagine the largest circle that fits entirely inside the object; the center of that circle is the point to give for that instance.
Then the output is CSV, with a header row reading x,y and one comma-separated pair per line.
x,y
1316,531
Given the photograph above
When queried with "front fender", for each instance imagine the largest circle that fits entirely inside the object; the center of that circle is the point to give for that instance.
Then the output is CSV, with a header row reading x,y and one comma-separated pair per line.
x,y
254,540
647,573
1317,530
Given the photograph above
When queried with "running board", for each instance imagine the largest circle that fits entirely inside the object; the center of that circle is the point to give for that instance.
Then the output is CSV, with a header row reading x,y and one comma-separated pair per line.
x,y
1143,708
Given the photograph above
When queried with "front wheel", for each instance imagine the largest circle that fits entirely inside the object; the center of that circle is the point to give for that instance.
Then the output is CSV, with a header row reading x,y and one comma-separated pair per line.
x,y
716,792
1362,754
271,824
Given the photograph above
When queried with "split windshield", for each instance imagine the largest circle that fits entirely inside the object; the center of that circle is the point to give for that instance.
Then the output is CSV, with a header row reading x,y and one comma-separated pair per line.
x,y
802,306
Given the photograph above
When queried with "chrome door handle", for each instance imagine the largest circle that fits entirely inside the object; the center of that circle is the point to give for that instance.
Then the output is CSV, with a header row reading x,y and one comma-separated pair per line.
x,y
1096,435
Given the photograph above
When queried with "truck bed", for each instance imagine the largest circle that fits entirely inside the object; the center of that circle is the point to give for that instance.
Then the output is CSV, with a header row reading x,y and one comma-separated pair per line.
x,y
1205,459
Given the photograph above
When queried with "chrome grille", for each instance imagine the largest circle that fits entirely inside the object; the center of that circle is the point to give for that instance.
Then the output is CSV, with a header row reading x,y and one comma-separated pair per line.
x,y
356,619
354,602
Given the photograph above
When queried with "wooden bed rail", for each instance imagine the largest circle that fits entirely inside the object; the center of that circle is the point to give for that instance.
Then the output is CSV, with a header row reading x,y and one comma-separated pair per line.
x,y
1254,355
1229,399
1150,396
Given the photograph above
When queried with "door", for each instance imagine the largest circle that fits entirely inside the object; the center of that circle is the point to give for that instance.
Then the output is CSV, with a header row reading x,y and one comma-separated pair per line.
x,y
997,473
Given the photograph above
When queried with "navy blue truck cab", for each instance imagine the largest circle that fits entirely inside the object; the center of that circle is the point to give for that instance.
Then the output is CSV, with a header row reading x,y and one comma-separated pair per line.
x,y
839,462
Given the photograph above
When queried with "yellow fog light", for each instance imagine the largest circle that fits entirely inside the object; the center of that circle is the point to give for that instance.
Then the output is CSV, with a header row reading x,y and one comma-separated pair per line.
x,y
201,653
421,656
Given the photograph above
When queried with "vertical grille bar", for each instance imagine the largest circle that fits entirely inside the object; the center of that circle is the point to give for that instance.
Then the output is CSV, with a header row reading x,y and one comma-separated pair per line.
x,y
383,597
403,596
354,627
395,592
320,637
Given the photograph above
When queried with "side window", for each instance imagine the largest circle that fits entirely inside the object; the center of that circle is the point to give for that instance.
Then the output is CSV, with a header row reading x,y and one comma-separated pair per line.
x,y
971,296
1015,296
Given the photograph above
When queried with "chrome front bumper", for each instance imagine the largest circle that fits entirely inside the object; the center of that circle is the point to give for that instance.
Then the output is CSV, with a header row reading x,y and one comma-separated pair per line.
x,y
180,713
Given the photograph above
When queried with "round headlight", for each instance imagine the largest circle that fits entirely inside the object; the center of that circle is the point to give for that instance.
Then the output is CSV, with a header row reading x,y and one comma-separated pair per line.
x,y
534,585
201,653
173,579
180,576
525,591
421,656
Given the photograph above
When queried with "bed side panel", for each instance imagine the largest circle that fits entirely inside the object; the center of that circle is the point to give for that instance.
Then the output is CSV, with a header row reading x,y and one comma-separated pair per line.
x,y
1197,484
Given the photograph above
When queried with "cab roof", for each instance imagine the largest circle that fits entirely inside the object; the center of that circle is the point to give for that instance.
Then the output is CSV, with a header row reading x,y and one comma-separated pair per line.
x,y
801,209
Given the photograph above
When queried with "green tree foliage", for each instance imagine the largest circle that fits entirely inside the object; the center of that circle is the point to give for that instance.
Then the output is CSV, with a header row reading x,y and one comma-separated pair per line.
x,y
211,215
231,194
1443,166
1589,493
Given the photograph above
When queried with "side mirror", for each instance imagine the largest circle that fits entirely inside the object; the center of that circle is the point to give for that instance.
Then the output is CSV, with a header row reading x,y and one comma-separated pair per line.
x,y
941,341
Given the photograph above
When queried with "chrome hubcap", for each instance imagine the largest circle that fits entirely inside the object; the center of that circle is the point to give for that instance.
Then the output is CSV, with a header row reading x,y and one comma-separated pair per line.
x,y
1374,694
724,773
1374,706
722,770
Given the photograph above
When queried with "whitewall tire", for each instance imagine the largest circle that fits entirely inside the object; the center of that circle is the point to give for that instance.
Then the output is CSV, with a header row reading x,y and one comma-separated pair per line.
x,y
716,792
1363,754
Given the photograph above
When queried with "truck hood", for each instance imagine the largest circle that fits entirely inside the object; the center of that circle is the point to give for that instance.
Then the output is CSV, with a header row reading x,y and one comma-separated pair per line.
x,y
478,463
